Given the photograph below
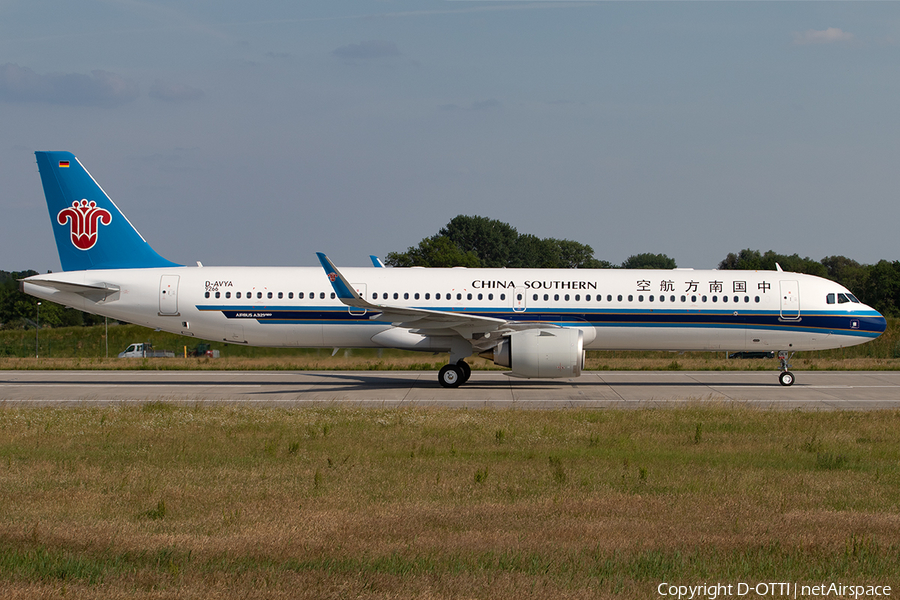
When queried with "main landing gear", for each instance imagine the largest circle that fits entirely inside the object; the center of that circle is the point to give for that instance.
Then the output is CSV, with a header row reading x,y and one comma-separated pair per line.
x,y
454,375
785,377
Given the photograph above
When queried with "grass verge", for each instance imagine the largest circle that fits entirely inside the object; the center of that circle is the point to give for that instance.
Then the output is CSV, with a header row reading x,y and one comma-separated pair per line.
x,y
171,501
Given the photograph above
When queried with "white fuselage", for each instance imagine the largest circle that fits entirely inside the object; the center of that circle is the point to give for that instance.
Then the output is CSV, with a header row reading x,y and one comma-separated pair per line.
x,y
616,309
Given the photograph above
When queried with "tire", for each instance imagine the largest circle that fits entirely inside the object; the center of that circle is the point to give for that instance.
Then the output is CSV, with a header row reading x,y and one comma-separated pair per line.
x,y
450,376
786,378
466,370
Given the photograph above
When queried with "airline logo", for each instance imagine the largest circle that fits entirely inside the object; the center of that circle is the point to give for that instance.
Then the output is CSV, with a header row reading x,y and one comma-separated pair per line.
x,y
84,217
332,277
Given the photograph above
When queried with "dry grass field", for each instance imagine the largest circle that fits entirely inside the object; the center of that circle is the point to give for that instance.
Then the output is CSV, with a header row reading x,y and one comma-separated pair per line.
x,y
164,501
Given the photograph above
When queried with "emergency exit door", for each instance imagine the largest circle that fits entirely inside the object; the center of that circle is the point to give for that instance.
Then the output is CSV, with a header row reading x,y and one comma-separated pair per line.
x,y
168,295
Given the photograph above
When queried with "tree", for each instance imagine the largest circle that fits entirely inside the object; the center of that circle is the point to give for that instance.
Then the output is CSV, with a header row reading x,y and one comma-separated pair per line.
x,y
436,251
488,239
846,272
468,241
882,289
752,260
649,261
745,260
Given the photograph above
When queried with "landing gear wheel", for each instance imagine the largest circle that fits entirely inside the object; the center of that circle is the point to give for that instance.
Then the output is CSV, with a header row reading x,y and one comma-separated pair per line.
x,y
466,370
450,376
786,378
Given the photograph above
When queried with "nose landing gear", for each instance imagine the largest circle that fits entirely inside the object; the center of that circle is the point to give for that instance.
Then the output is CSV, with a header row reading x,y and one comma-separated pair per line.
x,y
785,378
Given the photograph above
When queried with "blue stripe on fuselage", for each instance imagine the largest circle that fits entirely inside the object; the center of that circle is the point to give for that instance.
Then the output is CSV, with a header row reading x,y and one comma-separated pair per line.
x,y
864,324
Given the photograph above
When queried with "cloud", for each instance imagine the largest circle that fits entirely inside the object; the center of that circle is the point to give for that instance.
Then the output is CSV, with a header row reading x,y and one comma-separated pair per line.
x,y
174,92
367,50
832,35
100,88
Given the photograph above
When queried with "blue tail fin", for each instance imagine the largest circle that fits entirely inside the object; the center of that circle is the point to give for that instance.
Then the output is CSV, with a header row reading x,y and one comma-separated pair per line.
x,y
91,232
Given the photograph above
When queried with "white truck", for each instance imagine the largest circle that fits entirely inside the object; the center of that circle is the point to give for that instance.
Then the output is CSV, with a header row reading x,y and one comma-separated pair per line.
x,y
145,351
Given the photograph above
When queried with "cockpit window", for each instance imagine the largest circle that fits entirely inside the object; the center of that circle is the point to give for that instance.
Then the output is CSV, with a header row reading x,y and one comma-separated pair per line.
x,y
829,299
853,298
843,299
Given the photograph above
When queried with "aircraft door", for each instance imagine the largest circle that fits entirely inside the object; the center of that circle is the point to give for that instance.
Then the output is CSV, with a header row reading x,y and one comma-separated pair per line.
x,y
518,300
361,290
790,300
168,295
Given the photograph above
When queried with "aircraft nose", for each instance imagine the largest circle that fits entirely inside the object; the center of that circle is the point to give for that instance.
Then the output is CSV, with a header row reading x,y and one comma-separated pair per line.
x,y
875,323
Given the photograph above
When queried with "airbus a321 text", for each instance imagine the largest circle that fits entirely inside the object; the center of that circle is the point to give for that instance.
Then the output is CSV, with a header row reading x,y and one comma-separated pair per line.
x,y
536,322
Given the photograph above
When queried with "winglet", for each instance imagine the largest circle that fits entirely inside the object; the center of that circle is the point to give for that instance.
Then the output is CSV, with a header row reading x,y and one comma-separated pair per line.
x,y
341,286
376,261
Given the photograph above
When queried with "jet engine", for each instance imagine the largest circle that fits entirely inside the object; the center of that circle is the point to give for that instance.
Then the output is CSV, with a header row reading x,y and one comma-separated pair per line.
x,y
542,353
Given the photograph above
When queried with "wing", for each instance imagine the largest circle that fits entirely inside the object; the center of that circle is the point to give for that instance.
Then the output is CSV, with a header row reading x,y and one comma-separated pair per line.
x,y
477,328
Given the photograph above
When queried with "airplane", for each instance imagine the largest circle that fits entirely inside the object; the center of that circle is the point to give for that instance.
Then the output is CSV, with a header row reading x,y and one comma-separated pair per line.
x,y
535,322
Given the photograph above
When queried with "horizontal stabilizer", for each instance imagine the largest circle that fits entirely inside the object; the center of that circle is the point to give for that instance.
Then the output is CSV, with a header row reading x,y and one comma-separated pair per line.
x,y
93,292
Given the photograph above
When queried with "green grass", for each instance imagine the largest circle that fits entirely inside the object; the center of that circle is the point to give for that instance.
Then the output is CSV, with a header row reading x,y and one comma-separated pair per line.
x,y
187,501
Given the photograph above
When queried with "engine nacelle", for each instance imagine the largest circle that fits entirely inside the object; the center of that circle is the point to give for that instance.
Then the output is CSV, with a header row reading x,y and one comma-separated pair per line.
x,y
544,353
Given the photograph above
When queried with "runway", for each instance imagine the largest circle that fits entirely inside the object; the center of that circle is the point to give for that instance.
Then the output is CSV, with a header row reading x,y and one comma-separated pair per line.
x,y
834,390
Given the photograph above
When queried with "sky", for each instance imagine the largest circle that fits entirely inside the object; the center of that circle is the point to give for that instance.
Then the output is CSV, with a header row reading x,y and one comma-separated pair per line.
x,y
238,133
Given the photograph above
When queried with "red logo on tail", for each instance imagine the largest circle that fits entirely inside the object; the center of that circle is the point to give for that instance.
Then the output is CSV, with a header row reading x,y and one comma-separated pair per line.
x,y
332,277
84,216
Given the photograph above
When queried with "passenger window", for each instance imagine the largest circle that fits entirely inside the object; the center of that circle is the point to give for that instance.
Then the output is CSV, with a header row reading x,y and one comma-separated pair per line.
x,y
396,296
321,295
534,297
459,296
374,295
546,297
577,297
556,297
724,298
299,295
333,295
829,299
416,296
206,295
757,299
384,296
217,295
259,295
491,296
620,297
480,296
280,295
630,298
290,295
503,296
237,295
703,298
671,298
641,298
437,296
427,296
228,294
